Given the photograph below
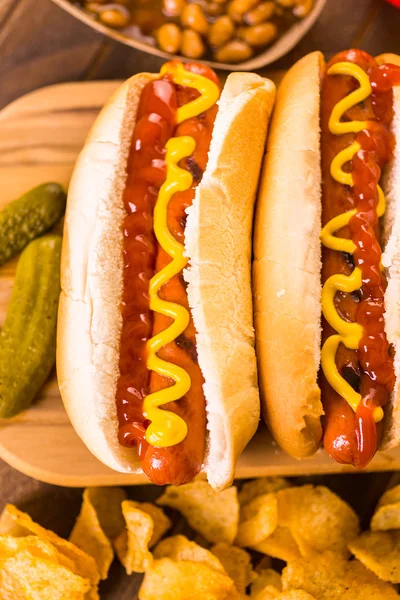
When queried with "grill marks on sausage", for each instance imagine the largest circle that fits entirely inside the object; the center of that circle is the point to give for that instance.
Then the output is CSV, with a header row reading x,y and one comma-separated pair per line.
x,y
356,296
194,169
183,221
187,346
348,258
350,374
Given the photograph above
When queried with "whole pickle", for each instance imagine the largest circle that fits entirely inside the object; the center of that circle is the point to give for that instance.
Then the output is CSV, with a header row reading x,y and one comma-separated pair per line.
x,y
28,217
28,337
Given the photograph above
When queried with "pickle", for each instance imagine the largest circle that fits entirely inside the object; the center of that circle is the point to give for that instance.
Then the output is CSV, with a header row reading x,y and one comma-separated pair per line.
x,y
28,217
28,337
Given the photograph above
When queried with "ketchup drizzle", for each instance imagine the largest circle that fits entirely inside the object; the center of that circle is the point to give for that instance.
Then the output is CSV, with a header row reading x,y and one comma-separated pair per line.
x,y
377,143
146,173
372,364
155,125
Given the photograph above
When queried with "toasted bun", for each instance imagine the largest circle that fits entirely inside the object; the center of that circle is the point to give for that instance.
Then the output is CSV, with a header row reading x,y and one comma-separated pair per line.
x,y
218,243
287,266
89,320
391,260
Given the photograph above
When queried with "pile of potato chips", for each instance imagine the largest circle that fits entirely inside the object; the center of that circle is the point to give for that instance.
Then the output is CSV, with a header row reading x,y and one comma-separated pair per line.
x,y
308,527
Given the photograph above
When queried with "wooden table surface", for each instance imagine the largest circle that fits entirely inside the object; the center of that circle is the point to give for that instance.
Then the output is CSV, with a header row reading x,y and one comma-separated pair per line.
x,y
41,45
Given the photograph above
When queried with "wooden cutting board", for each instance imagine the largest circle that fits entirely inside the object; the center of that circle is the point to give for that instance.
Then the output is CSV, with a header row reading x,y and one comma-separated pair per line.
x,y
40,137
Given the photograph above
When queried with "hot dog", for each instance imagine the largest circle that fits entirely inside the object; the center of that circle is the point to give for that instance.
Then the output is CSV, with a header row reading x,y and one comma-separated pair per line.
x,y
155,358
326,256
181,462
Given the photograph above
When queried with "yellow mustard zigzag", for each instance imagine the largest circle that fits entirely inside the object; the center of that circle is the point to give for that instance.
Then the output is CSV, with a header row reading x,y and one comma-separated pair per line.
x,y
348,334
167,428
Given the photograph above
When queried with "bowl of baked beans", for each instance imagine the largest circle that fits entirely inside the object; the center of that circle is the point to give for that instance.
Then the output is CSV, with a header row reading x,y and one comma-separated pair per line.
x,y
227,34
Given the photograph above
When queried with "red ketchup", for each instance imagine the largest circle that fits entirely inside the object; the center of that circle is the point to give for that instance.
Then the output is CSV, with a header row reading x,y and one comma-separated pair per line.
x,y
143,257
371,366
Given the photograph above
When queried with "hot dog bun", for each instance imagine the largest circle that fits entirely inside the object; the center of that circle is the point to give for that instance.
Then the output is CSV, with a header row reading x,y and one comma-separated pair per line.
x,y
287,265
220,295
89,320
218,243
391,260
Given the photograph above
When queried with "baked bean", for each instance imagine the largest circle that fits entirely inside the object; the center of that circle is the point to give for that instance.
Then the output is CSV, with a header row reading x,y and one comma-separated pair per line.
x,y
117,17
169,38
146,20
93,7
259,35
192,44
193,17
214,9
260,13
228,31
221,31
303,8
237,8
235,51
173,8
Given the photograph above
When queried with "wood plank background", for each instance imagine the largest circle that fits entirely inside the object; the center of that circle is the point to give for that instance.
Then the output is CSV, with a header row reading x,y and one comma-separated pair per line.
x,y
42,45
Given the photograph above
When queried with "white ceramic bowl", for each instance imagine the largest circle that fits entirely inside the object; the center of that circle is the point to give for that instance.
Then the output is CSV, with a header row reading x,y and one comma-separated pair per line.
x,y
283,45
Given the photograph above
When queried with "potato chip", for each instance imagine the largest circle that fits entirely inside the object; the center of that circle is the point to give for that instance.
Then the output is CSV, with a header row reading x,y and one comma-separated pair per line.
x,y
263,564
99,522
267,577
132,545
390,496
295,595
281,544
28,577
268,593
10,546
380,552
387,514
16,523
266,586
161,522
318,519
259,487
237,564
179,548
386,517
258,519
92,594
213,514
304,547
330,576
185,580
200,540
107,502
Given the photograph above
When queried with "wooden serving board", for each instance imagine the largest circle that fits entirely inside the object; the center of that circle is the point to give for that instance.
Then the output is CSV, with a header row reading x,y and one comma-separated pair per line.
x,y
40,137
